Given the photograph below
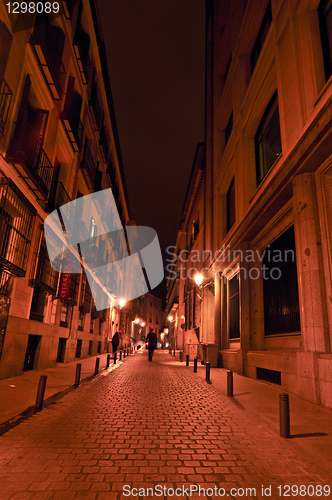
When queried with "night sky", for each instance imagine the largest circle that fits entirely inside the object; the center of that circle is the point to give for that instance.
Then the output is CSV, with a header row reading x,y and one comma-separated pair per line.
x,y
156,54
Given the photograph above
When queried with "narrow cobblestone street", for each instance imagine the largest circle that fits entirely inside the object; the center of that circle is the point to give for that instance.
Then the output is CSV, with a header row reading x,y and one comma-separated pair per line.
x,y
147,424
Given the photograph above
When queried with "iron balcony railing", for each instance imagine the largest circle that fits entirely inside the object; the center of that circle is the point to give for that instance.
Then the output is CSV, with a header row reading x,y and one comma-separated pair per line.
x,y
42,168
62,197
103,143
95,109
5,102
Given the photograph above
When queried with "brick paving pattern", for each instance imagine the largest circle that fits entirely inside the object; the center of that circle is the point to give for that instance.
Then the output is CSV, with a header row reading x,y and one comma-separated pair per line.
x,y
147,424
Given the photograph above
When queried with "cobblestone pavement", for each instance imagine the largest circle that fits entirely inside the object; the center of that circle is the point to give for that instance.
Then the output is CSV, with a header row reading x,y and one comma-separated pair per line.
x,y
150,425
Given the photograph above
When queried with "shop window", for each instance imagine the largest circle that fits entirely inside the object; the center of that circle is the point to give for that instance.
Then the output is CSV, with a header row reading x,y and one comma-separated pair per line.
x,y
231,208
268,139
267,20
325,23
280,287
234,307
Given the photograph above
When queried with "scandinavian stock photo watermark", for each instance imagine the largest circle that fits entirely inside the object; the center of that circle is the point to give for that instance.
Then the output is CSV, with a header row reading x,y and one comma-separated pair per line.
x,y
265,264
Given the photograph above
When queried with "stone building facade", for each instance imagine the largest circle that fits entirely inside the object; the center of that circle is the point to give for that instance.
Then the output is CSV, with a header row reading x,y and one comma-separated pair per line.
x,y
268,190
58,141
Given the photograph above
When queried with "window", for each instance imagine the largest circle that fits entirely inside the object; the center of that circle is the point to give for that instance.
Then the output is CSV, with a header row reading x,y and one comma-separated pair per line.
x,y
229,128
325,24
90,347
92,324
280,288
268,139
16,224
64,315
263,30
80,323
78,348
53,311
234,307
227,68
231,205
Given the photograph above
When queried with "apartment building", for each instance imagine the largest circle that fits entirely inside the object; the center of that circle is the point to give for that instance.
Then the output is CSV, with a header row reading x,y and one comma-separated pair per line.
x,y
58,142
184,308
153,314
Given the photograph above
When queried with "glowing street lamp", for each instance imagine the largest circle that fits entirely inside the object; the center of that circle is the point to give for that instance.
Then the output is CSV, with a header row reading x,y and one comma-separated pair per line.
x,y
170,318
143,323
137,321
199,279
122,302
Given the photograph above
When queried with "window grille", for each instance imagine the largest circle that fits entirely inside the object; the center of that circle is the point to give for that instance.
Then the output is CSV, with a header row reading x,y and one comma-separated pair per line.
x,y
16,224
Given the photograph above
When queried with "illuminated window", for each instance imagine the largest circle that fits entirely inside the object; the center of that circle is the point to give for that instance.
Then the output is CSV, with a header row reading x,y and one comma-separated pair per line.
x,y
325,23
268,139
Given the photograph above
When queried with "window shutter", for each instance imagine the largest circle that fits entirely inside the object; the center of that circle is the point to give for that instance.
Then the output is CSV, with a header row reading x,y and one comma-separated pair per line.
x,y
5,43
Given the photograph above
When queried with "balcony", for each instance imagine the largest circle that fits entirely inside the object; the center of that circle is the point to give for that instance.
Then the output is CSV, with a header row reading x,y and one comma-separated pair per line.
x,y
33,160
103,143
58,197
5,102
48,43
95,109
89,168
68,8
71,116
81,48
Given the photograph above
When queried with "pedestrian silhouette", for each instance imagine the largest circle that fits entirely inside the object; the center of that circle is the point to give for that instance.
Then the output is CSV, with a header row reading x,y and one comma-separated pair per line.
x,y
115,342
152,339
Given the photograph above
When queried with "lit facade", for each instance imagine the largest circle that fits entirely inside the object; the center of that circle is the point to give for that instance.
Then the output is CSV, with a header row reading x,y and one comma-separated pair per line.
x,y
58,141
267,198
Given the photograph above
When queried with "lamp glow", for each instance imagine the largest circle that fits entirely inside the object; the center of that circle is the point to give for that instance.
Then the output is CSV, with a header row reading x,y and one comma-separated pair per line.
x,y
170,318
122,302
198,279
137,321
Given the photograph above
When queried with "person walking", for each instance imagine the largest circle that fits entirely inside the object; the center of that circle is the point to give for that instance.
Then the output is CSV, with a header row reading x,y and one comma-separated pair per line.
x,y
152,339
115,342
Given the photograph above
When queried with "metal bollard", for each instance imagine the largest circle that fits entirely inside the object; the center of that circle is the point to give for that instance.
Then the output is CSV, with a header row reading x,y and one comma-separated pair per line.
x,y
181,356
173,352
97,366
230,384
207,373
284,415
115,358
108,360
187,360
78,374
195,364
120,355
124,353
40,392
128,351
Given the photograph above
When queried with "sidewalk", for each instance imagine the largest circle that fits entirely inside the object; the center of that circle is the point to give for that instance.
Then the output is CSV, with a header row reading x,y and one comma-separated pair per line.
x,y
18,394
310,424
